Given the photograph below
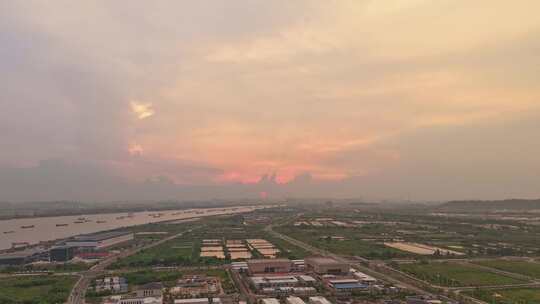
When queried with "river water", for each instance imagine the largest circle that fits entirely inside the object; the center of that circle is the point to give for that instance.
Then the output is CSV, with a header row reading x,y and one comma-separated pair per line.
x,y
34,230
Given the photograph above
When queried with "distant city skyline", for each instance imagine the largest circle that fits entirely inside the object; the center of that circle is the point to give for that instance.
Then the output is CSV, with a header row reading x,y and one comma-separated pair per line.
x,y
398,99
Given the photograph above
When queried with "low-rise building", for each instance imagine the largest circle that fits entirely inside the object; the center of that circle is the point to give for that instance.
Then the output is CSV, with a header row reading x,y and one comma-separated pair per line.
x,y
423,300
140,300
346,286
294,300
307,280
269,266
324,265
270,301
239,266
112,284
198,301
100,240
61,253
22,257
196,286
274,281
364,278
153,289
318,300
298,265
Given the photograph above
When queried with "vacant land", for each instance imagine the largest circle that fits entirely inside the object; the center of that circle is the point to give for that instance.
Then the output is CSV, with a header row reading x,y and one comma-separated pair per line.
x,y
176,252
36,289
530,269
508,296
453,274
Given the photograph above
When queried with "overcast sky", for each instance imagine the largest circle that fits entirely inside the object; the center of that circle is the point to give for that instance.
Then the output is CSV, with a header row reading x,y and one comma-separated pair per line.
x,y
394,99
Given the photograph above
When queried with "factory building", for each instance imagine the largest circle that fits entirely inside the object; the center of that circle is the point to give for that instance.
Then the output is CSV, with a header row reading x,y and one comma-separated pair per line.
x,y
318,300
277,281
346,286
323,265
100,240
269,266
285,291
198,301
61,253
270,301
22,257
294,300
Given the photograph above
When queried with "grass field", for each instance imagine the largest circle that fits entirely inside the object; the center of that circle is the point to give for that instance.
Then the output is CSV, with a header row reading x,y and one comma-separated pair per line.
x,y
508,296
352,246
452,274
36,289
520,267
175,252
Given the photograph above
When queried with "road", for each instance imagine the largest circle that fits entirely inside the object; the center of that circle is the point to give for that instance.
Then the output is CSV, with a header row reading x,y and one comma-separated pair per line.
x,y
367,270
376,274
78,292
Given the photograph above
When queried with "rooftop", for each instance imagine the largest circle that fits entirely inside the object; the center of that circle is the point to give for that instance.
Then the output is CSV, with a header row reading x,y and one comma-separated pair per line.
x,y
265,261
323,261
96,237
21,254
153,285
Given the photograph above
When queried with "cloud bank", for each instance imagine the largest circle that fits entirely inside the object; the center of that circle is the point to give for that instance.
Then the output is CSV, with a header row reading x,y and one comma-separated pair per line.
x,y
209,99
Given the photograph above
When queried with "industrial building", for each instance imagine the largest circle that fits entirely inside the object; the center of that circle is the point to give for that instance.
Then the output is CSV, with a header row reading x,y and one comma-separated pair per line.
x,y
323,265
61,253
318,300
150,290
294,300
346,286
269,266
285,291
112,284
100,240
270,301
239,266
198,301
298,265
277,281
363,278
22,257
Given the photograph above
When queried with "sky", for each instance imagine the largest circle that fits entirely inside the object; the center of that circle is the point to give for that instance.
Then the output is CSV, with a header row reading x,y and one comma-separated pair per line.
x,y
379,100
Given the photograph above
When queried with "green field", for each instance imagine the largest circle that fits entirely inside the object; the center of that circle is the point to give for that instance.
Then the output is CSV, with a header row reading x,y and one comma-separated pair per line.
x,y
508,296
36,289
352,246
178,251
520,267
452,274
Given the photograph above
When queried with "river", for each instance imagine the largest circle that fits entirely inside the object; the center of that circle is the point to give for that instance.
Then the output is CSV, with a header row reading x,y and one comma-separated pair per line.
x,y
37,229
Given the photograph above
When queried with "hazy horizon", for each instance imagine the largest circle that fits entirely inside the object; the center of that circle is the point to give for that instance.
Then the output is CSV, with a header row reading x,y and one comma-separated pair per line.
x,y
400,100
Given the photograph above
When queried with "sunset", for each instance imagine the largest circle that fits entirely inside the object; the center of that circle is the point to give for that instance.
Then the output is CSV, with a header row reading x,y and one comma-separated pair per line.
x,y
430,100
270,152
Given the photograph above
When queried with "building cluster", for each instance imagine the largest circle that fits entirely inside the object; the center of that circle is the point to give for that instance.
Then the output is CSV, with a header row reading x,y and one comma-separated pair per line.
x,y
196,286
111,284
238,249
87,246
283,281
151,293
264,247
212,248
